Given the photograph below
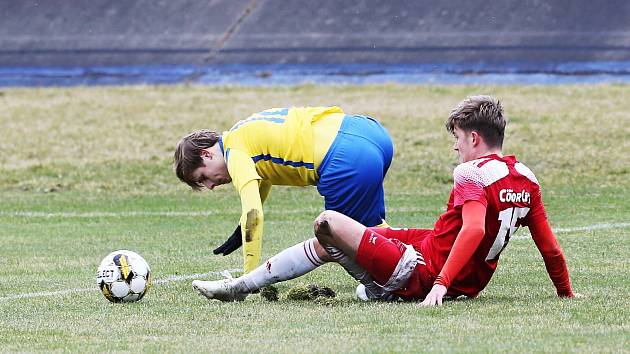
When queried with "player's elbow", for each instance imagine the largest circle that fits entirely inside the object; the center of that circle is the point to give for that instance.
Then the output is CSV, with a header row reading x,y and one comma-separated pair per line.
x,y
549,248
475,232
551,251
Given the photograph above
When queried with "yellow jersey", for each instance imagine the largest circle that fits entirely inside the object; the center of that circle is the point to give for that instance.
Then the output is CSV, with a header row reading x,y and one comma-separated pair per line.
x,y
279,146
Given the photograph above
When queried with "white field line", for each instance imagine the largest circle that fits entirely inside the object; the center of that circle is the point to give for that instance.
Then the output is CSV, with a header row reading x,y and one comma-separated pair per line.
x,y
105,214
568,230
618,225
163,213
170,279
125,214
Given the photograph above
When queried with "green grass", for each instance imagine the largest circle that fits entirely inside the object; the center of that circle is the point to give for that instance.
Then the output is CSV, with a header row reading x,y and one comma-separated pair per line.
x,y
85,171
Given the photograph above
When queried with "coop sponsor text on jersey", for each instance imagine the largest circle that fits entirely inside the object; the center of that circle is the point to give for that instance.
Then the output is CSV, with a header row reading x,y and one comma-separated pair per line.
x,y
509,196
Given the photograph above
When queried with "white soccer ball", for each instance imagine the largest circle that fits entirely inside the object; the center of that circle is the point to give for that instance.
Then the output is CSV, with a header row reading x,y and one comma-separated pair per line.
x,y
123,276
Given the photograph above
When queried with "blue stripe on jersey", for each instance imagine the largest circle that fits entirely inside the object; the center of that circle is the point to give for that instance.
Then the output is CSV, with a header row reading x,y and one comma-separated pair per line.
x,y
280,112
227,155
248,120
280,161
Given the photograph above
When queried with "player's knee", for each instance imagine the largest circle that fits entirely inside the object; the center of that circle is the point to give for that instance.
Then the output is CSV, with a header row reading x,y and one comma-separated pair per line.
x,y
322,225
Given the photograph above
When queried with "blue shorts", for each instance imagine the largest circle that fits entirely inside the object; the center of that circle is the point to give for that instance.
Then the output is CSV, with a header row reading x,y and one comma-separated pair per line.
x,y
352,172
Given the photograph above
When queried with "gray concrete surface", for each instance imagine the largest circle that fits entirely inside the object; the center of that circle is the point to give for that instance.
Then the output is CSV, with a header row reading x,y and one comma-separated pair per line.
x,y
51,33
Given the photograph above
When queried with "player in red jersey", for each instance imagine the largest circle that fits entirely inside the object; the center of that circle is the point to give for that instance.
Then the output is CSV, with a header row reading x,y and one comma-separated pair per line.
x,y
493,195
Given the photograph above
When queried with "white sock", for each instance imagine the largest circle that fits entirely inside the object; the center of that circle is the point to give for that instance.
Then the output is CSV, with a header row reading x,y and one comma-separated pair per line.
x,y
288,264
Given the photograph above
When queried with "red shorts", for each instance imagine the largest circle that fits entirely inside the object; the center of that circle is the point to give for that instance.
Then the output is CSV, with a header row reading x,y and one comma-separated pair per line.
x,y
380,251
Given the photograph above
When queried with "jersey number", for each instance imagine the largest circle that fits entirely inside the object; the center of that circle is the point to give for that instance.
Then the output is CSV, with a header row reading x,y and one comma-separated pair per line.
x,y
508,218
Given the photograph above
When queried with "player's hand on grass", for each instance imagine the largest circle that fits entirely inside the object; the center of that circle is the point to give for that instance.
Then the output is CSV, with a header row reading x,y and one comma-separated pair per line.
x,y
434,297
234,242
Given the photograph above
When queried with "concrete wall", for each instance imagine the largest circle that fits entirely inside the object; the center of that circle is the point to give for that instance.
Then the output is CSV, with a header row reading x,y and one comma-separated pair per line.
x,y
142,32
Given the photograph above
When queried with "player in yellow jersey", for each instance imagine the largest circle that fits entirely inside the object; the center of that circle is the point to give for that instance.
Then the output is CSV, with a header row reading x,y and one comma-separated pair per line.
x,y
345,156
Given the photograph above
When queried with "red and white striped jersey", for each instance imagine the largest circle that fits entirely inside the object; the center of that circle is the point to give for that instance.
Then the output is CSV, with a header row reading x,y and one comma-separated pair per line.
x,y
511,194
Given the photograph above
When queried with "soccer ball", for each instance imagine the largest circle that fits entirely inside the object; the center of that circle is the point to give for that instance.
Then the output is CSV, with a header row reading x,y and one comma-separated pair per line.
x,y
123,276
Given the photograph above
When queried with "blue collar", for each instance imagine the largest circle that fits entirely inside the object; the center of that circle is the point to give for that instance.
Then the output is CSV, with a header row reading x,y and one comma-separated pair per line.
x,y
221,145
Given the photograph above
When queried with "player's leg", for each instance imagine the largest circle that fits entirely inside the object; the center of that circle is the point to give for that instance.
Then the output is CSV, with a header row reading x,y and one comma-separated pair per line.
x,y
290,263
340,236
396,266
401,235
388,263
404,235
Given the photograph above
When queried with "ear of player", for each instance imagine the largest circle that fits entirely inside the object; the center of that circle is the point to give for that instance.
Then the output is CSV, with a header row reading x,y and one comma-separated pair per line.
x,y
123,276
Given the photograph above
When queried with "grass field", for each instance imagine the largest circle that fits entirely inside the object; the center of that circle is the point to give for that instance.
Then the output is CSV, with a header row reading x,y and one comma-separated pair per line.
x,y
85,171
